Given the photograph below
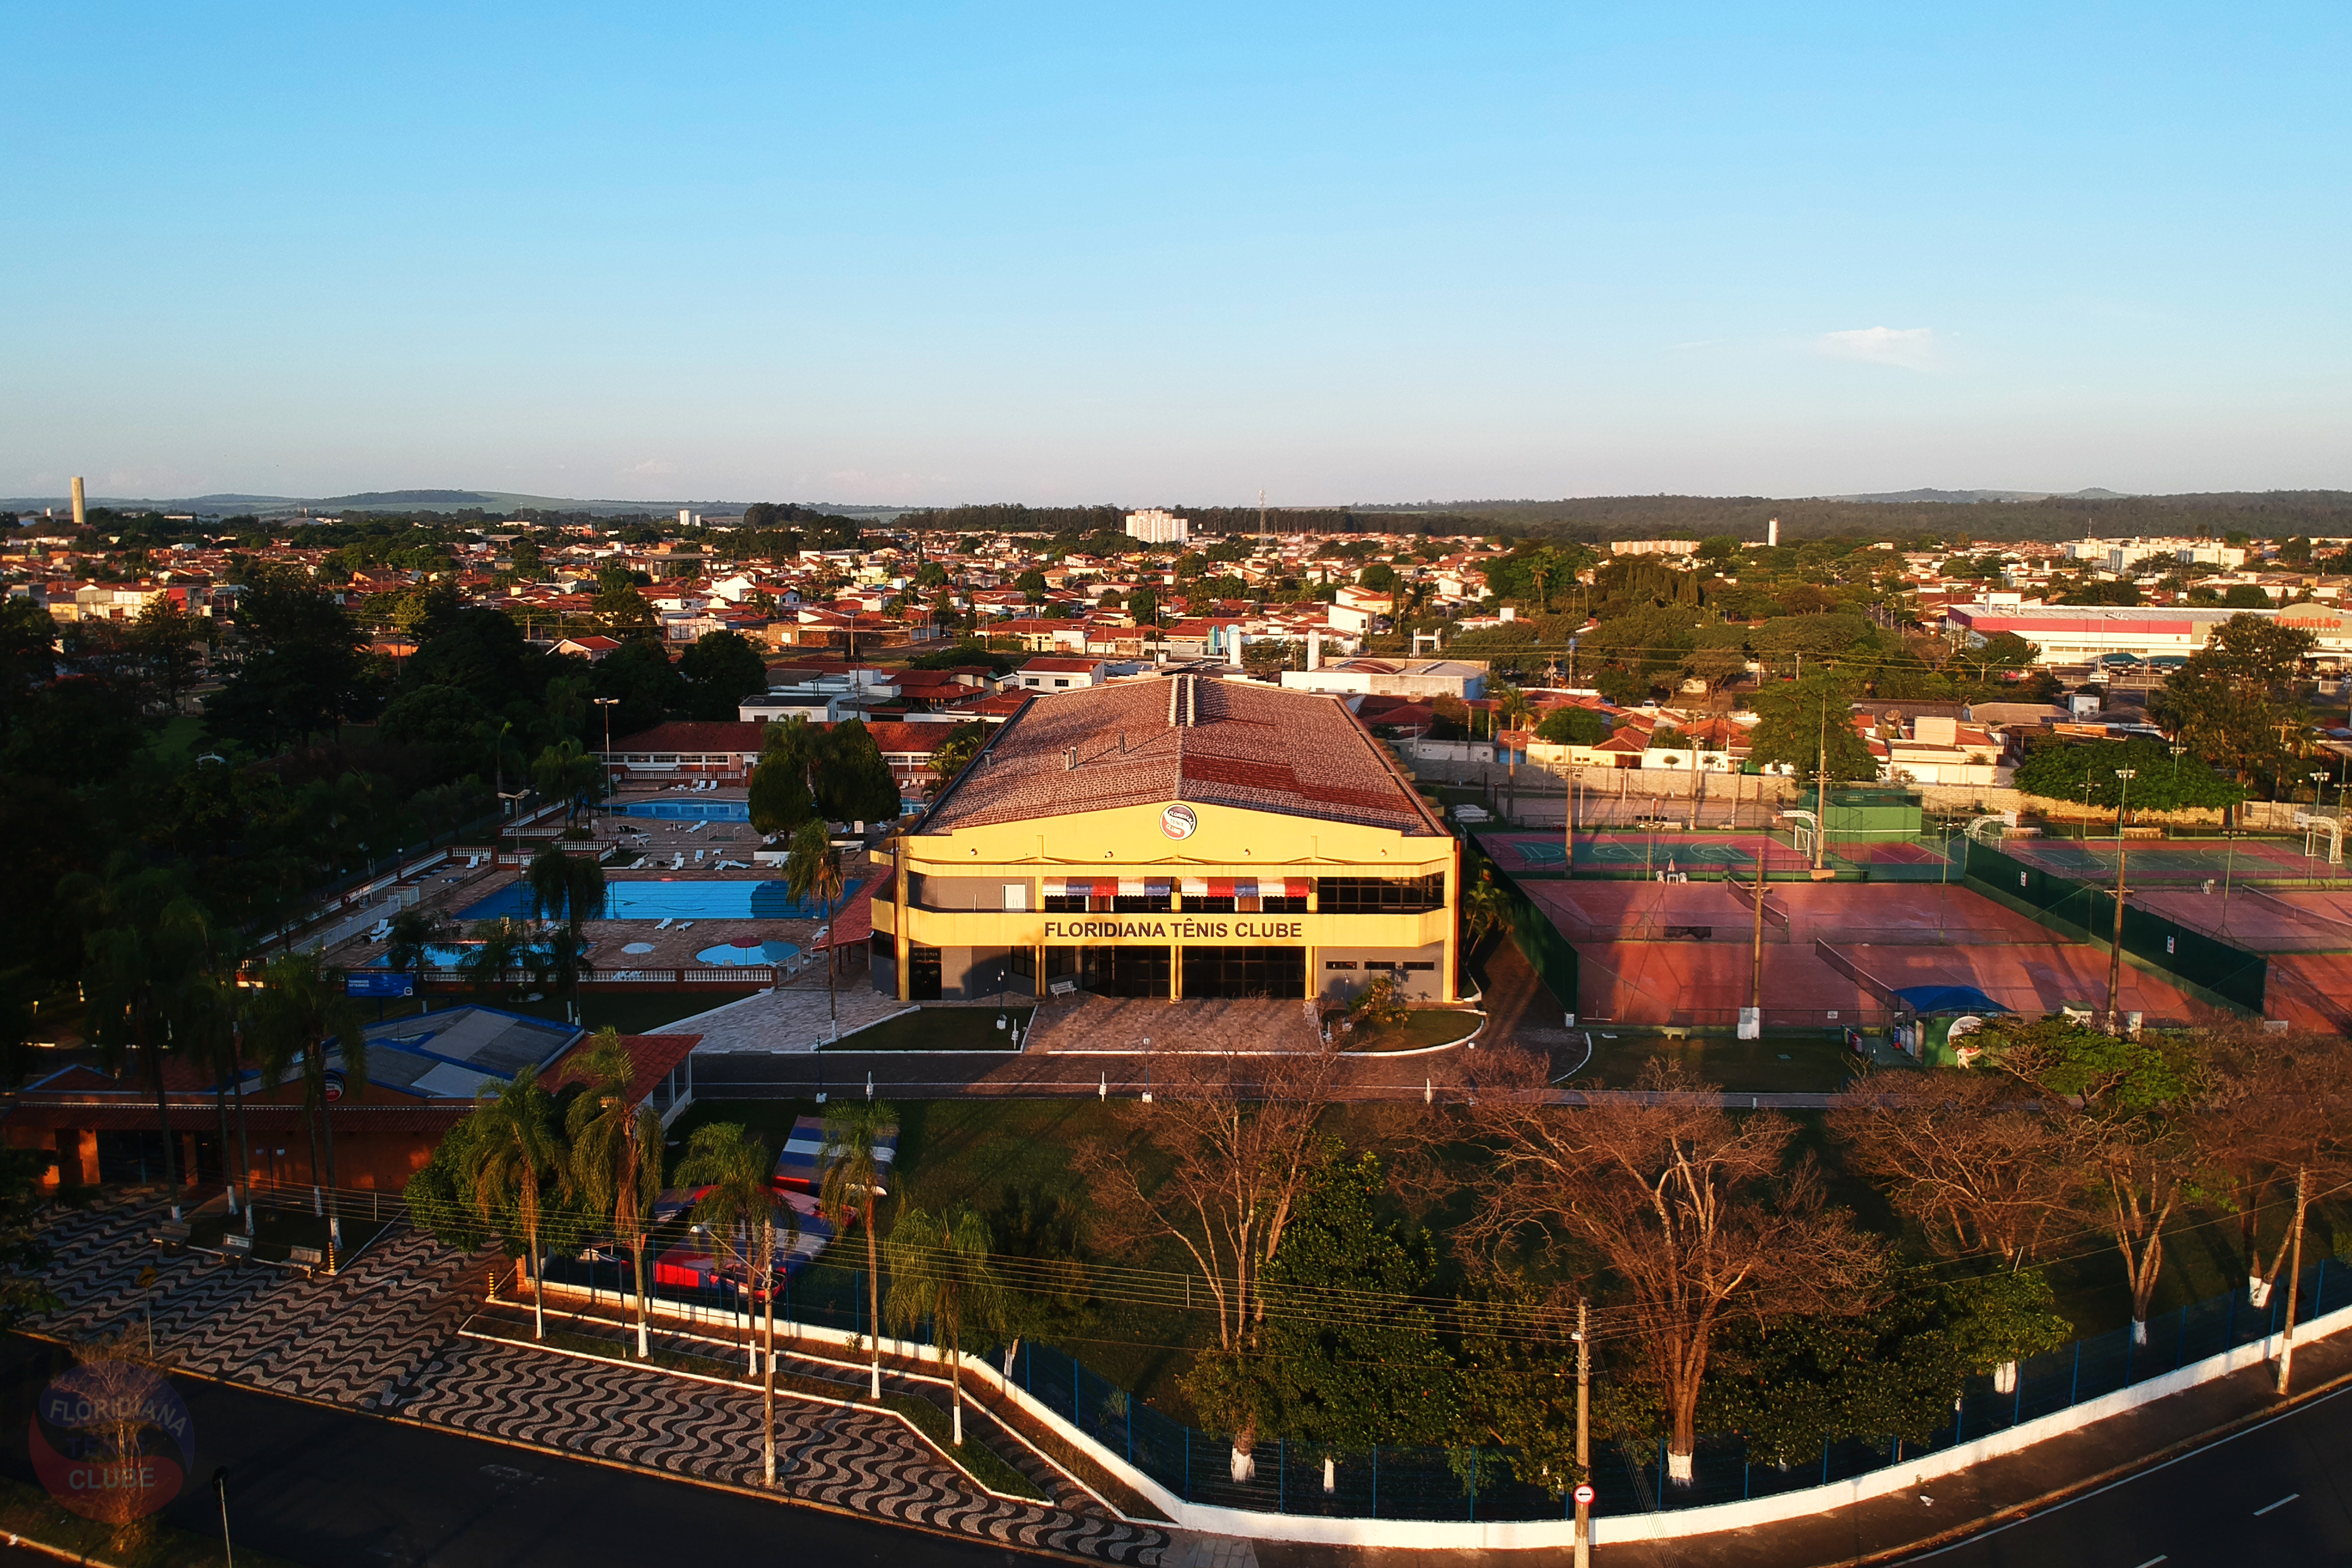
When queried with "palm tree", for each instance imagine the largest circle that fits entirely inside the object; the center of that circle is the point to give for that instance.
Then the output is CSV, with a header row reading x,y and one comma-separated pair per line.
x,y
498,945
614,1165
940,1270
812,866
146,943
513,1150
565,772
569,888
740,1211
1486,908
413,935
302,1008
852,1161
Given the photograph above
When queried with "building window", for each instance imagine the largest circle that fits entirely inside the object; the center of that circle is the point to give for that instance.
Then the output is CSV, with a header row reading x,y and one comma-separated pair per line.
x,y
1284,906
1064,904
1203,904
1339,963
1142,904
1060,683
1380,895
1418,963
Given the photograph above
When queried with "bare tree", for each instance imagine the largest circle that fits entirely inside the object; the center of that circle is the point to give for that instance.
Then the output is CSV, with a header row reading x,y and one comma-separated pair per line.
x,y
2277,1111
2131,1104
1694,1215
1216,1163
1979,1168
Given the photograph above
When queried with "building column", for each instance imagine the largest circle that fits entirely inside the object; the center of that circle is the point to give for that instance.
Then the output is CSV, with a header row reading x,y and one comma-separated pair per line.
x,y
1452,983
900,942
1176,971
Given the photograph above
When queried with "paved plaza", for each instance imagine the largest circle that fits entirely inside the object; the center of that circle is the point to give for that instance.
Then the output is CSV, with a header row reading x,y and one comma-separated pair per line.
x,y
384,1336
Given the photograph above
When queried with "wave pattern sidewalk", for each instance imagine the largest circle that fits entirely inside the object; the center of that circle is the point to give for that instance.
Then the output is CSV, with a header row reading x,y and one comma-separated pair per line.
x,y
382,1335
850,1458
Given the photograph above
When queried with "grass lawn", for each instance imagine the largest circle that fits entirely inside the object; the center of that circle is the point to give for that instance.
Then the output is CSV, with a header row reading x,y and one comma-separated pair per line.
x,y
1754,1066
941,1029
1422,1028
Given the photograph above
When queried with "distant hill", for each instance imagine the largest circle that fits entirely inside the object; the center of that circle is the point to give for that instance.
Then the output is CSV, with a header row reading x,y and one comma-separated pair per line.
x,y
1968,496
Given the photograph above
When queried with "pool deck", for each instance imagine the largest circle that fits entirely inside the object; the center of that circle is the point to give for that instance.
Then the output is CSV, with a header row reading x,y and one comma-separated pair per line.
x,y
658,842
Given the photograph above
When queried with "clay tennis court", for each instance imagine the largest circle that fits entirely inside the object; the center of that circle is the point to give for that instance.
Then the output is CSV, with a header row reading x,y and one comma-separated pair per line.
x,y
2224,862
1796,912
2265,920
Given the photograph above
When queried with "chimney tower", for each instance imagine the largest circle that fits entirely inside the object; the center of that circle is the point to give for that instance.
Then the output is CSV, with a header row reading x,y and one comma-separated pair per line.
x,y
1772,532
81,512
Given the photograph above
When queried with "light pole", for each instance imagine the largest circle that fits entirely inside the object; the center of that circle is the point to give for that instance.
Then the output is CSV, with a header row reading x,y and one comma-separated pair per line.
x,y
2116,948
1583,1438
607,704
2318,780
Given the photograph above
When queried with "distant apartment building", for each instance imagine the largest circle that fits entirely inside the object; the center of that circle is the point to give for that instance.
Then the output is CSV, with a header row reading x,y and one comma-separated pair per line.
x,y
1393,677
1155,526
1652,546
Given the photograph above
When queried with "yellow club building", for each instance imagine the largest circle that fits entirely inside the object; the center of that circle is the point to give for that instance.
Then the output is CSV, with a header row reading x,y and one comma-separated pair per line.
x,y
1180,837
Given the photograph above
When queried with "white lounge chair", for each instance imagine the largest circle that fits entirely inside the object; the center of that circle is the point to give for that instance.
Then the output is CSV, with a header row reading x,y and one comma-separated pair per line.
x,y
663,924
697,856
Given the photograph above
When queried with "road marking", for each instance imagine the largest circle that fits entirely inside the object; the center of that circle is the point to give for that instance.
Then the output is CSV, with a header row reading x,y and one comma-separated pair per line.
x,y
1974,1536
2281,1503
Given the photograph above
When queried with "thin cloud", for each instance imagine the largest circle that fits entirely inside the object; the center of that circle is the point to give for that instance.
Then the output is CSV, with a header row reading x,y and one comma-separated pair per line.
x,y
1905,347
651,466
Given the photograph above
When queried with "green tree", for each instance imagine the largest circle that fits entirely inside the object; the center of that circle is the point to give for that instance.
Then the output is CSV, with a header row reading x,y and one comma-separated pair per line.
x,y
779,797
620,610
2234,701
813,869
853,782
146,949
2000,651
943,1272
1894,1371
1800,720
567,773
739,1215
514,1150
303,1010
955,754
299,667
856,1132
2245,596
29,661
640,676
165,640
2132,1104
1350,1348
414,934
1570,725
568,890
720,670
2059,769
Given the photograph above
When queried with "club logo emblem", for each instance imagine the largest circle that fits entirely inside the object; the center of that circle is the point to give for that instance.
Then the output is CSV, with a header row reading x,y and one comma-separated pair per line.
x,y
111,1441
1178,822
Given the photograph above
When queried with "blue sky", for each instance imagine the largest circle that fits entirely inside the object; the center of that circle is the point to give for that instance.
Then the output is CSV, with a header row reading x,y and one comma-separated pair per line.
x,y
1056,254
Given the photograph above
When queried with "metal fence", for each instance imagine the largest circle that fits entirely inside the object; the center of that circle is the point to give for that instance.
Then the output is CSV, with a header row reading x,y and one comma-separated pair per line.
x,y
1437,1484
2205,964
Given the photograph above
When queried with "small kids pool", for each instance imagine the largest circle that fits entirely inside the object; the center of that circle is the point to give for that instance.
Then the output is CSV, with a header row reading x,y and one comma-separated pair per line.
x,y
686,899
747,950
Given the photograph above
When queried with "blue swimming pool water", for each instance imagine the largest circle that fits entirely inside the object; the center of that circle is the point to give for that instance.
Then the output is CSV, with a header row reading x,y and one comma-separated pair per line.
x,y
688,810
683,900
435,958
758,952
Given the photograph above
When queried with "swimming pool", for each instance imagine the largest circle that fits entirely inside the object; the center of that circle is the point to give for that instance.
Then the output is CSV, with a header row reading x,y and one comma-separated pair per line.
x,y
678,900
746,951
437,956
688,810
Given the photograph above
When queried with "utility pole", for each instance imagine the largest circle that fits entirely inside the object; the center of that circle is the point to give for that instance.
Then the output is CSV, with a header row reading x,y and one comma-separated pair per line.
x,y
1822,792
2115,949
1583,1435
1755,974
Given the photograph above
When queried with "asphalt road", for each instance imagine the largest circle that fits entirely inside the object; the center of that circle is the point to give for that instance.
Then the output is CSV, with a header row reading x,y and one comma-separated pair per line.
x,y
325,1487
2277,1493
